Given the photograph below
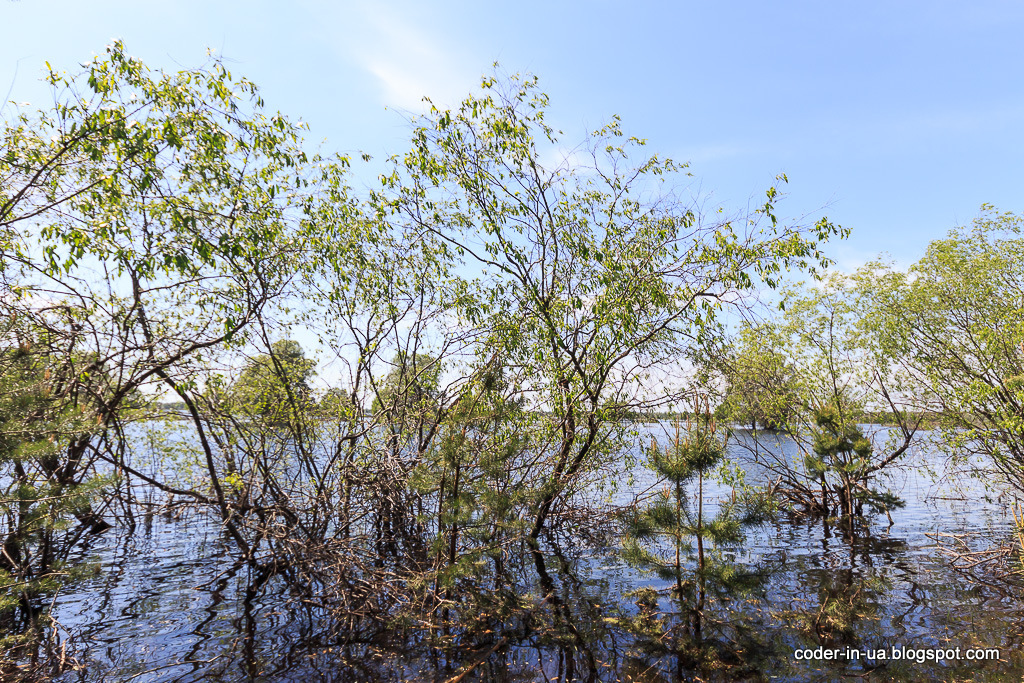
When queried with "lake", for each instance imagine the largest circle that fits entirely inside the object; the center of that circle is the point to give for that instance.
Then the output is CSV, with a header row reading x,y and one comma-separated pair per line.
x,y
168,603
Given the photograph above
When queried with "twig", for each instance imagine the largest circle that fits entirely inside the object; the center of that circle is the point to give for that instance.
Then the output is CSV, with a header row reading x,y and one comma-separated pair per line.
x,y
502,642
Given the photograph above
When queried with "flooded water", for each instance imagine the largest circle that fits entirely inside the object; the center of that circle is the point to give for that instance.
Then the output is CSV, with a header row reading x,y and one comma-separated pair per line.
x,y
169,603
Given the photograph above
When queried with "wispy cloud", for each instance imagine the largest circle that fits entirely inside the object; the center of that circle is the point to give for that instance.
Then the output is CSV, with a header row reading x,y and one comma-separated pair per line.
x,y
409,60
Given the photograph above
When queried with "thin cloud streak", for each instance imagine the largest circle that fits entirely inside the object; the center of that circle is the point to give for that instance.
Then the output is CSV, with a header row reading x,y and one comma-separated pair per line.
x,y
408,62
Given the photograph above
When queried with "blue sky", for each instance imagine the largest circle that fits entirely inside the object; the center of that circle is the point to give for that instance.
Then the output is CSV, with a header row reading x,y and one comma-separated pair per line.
x,y
895,119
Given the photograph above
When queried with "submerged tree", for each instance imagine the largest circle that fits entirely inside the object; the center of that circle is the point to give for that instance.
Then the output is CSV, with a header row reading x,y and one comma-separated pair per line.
x,y
50,495
679,517
955,320
143,230
842,377
592,280
842,458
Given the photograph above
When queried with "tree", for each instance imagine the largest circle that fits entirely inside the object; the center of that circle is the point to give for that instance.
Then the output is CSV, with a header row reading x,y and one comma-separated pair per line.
x,y
841,452
955,320
144,227
591,283
50,495
845,375
275,386
762,387
689,458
